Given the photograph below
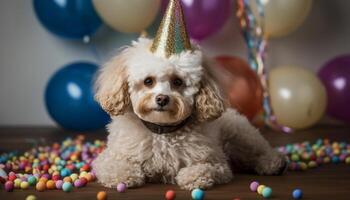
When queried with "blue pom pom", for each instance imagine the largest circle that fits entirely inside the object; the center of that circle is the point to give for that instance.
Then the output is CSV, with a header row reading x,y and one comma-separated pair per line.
x,y
297,194
197,194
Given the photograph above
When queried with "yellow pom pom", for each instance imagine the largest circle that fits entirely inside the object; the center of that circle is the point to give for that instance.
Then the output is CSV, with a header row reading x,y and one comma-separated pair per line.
x,y
17,183
74,176
31,197
260,189
24,185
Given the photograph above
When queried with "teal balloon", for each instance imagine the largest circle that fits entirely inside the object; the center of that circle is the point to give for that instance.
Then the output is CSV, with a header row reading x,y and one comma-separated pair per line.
x,y
69,98
72,19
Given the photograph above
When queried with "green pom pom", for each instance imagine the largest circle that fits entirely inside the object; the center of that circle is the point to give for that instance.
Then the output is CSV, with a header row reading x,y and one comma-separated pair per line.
x,y
267,192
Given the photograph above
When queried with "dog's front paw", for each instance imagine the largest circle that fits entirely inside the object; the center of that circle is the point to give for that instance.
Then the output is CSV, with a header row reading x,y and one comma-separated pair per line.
x,y
197,176
130,179
272,163
110,171
190,183
133,182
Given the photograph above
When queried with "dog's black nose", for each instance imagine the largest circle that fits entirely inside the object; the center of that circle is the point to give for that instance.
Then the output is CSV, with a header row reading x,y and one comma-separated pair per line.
x,y
162,100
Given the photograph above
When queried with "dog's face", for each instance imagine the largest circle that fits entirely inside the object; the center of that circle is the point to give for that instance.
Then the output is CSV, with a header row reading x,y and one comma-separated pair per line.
x,y
158,94
157,90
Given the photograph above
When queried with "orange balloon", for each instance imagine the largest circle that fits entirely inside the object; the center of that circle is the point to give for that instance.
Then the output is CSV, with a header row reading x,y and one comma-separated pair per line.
x,y
241,85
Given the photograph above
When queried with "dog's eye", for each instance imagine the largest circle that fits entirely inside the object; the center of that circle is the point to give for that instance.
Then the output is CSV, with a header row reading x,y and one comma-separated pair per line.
x,y
148,81
177,82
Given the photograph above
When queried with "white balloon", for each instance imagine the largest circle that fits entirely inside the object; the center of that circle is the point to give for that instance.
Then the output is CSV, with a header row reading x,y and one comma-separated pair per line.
x,y
129,16
298,97
283,16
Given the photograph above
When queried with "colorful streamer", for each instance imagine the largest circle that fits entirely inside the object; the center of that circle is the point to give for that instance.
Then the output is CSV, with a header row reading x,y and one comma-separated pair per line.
x,y
253,33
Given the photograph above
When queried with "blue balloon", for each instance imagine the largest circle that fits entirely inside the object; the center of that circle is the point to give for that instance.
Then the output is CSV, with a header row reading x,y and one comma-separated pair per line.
x,y
69,98
72,19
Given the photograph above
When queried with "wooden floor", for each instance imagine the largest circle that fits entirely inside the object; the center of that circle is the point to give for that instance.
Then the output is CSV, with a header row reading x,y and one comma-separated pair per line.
x,y
326,182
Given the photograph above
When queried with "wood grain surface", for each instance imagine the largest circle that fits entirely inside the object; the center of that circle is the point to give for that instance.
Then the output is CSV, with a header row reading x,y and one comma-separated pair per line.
x,y
326,182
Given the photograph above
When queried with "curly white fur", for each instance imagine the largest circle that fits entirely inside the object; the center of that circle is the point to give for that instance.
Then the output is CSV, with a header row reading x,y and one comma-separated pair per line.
x,y
142,63
199,155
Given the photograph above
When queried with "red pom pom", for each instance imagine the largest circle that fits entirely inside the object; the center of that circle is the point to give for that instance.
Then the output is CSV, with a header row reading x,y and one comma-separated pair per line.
x,y
170,195
55,177
84,181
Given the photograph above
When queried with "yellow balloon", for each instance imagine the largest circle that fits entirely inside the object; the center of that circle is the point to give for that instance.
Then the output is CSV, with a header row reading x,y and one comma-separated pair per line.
x,y
129,16
298,97
283,16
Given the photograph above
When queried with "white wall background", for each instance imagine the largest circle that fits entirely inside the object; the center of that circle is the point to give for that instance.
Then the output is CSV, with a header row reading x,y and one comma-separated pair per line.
x,y
29,55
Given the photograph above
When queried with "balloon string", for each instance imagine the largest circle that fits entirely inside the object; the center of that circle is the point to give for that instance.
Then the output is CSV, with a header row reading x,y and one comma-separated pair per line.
x,y
253,33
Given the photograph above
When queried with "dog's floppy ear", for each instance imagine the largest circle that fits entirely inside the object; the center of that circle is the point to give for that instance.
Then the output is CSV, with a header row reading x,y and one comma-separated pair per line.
x,y
112,87
208,102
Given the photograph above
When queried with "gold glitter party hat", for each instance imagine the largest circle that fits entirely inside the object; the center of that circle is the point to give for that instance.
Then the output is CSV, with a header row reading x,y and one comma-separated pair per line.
x,y
172,36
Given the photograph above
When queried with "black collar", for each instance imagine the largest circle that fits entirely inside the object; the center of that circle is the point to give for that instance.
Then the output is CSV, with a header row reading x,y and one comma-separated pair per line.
x,y
162,129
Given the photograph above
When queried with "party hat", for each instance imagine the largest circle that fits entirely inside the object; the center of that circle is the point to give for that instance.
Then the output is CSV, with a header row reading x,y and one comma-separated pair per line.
x,y
172,36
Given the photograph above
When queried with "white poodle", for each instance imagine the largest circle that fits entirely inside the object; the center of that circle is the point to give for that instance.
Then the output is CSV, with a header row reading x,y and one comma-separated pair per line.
x,y
170,125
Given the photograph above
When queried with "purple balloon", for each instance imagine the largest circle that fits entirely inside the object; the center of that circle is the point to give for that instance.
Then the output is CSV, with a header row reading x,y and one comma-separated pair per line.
x,y
335,75
204,17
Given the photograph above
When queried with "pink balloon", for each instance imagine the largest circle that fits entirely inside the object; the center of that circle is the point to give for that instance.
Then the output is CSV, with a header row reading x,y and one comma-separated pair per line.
x,y
204,17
